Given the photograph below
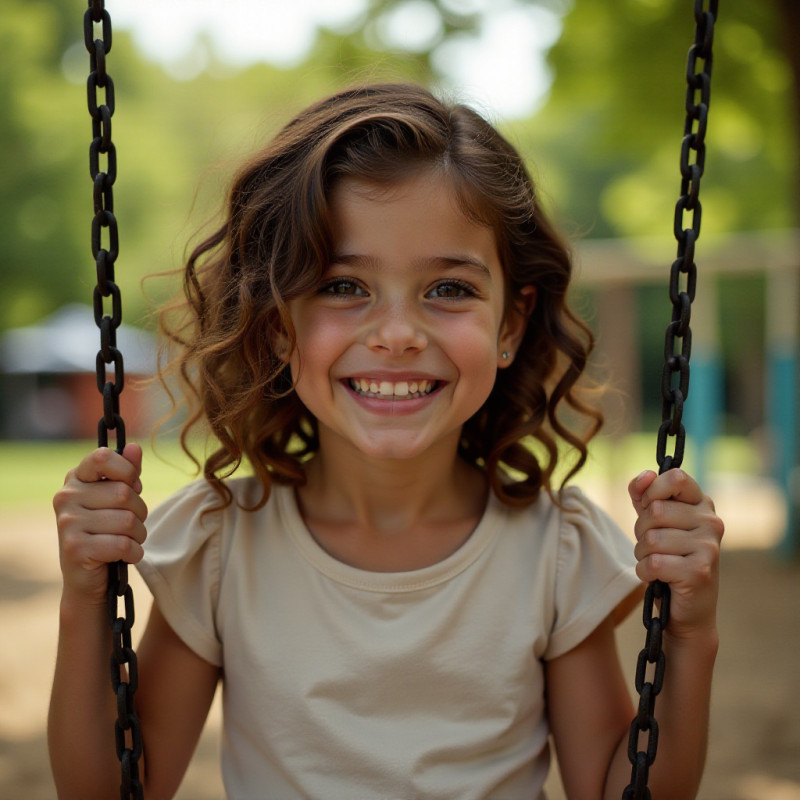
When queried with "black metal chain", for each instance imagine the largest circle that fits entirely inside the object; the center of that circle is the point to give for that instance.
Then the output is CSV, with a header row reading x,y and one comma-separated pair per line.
x,y
128,736
674,381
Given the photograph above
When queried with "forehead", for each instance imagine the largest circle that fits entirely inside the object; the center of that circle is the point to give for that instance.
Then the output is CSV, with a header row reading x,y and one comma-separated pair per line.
x,y
419,214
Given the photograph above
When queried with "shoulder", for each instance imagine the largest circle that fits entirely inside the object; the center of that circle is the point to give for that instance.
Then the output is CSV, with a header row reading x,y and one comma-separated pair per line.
x,y
576,509
562,515
594,570
196,515
199,499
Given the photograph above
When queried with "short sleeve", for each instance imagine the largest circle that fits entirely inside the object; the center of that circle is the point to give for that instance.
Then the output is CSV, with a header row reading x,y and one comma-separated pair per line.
x,y
181,566
595,572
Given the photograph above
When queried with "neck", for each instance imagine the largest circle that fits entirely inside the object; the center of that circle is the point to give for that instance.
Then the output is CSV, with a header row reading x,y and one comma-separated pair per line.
x,y
388,496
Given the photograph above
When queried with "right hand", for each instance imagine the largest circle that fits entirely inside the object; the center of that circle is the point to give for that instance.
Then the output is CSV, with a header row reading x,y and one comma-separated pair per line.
x,y
100,517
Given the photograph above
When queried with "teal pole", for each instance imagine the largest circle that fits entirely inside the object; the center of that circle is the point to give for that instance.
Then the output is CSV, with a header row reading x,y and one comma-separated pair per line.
x,y
783,395
704,405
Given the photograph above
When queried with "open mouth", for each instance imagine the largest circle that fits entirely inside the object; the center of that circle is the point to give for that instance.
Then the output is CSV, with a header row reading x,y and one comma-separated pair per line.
x,y
388,390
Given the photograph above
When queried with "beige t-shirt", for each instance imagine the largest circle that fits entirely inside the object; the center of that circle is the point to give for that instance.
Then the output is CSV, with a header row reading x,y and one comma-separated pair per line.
x,y
342,684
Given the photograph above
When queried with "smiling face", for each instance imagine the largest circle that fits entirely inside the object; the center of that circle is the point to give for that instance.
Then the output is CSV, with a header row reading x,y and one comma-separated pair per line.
x,y
400,343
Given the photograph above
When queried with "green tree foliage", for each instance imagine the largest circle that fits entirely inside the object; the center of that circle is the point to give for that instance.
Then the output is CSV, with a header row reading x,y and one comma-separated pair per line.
x,y
37,209
177,143
607,141
613,124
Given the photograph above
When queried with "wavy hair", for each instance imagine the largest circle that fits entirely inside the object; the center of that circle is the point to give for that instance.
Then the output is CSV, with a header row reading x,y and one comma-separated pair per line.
x,y
275,243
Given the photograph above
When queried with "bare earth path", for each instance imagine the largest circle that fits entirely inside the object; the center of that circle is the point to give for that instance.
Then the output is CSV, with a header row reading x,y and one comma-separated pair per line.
x,y
755,744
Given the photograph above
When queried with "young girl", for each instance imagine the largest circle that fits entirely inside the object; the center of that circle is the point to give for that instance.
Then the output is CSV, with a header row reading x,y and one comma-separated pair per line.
x,y
399,603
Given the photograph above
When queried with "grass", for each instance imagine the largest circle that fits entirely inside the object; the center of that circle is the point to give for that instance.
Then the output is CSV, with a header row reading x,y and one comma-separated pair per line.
x,y
33,471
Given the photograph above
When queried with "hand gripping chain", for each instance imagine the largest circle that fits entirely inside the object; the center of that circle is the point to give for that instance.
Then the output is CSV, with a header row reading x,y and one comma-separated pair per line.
x,y
676,363
127,729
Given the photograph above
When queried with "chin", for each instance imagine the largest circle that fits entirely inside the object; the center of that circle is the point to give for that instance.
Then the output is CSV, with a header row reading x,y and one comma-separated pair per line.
x,y
402,450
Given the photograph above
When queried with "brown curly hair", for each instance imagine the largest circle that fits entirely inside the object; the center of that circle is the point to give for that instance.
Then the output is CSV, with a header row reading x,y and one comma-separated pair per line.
x,y
275,243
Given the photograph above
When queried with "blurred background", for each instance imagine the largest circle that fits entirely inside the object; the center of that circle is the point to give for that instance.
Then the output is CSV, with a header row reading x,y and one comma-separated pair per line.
x,y
592,92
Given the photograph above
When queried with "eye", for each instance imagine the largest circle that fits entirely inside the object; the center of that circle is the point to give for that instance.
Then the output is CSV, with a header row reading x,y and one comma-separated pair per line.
x,y
451,290
343,287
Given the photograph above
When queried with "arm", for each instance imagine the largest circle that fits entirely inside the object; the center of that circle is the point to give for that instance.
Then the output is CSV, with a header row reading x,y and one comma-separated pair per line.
x,y
678,537
100,520
678,542
590,711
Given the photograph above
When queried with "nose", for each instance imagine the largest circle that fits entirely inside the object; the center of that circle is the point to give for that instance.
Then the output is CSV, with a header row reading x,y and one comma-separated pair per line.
x,y
396,330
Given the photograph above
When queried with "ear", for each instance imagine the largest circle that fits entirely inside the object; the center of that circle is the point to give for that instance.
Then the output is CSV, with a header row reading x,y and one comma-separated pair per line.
x,y
279,340
280,344
514,325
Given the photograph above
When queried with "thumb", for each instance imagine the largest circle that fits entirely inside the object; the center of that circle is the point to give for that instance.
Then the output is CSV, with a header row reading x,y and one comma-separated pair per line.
x,y
133,453
638,486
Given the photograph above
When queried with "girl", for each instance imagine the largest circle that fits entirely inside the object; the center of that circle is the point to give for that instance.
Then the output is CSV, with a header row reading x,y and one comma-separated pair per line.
x,y
398,603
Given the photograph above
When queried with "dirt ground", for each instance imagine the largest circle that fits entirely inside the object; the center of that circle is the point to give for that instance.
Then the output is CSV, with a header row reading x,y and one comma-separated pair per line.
x,y
755,738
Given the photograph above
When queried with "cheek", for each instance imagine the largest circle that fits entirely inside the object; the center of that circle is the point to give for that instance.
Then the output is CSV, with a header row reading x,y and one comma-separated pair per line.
x,y
319,343
475,353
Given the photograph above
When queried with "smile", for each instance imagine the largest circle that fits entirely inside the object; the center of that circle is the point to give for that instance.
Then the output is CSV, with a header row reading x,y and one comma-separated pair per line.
x,y
386,390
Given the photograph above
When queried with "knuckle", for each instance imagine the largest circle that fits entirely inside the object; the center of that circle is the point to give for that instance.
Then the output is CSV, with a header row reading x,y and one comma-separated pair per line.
x,y
651,538
67,520
124,546
100,456
121,493
704,571
128,521
655,560
646,569
71,547
60,500
129,550
657,510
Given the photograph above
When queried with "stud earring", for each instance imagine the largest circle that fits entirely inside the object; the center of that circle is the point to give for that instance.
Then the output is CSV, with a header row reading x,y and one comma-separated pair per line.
x,y
506,355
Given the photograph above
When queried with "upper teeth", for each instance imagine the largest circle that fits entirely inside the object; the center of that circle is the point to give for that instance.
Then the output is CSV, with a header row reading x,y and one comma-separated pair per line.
x,y
389,389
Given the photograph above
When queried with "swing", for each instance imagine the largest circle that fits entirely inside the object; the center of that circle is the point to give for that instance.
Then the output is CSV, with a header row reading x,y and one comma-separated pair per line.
x,y
128,736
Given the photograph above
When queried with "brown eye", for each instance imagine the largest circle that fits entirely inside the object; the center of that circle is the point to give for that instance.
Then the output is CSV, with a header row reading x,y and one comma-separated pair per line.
x,y
451,290
343,287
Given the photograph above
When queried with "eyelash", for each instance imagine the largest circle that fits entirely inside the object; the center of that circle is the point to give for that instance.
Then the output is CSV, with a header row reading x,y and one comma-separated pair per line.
x,y
467,289
332,288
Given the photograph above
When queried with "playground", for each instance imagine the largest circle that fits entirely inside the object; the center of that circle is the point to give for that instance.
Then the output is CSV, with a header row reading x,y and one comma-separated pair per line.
x,y
741,420
755,735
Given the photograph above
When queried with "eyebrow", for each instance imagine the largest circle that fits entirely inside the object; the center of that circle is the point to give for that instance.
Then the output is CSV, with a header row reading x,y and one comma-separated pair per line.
x,y
450,261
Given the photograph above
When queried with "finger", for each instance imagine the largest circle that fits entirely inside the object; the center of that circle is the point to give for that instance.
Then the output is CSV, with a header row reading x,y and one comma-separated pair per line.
x,y
105,464
108,494
673,484
103,548
133,452
674,514
695,570
638,486
115,522
668,541
74,521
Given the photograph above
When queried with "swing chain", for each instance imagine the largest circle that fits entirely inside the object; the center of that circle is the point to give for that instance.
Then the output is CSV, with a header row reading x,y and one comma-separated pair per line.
x,y
676,371
127,733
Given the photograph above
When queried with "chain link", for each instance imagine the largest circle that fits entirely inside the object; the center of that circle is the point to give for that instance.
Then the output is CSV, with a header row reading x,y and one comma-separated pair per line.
x,y
124,666
674,382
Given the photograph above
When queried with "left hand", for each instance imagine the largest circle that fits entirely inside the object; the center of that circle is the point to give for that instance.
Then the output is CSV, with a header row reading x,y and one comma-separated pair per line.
x,y
678,541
